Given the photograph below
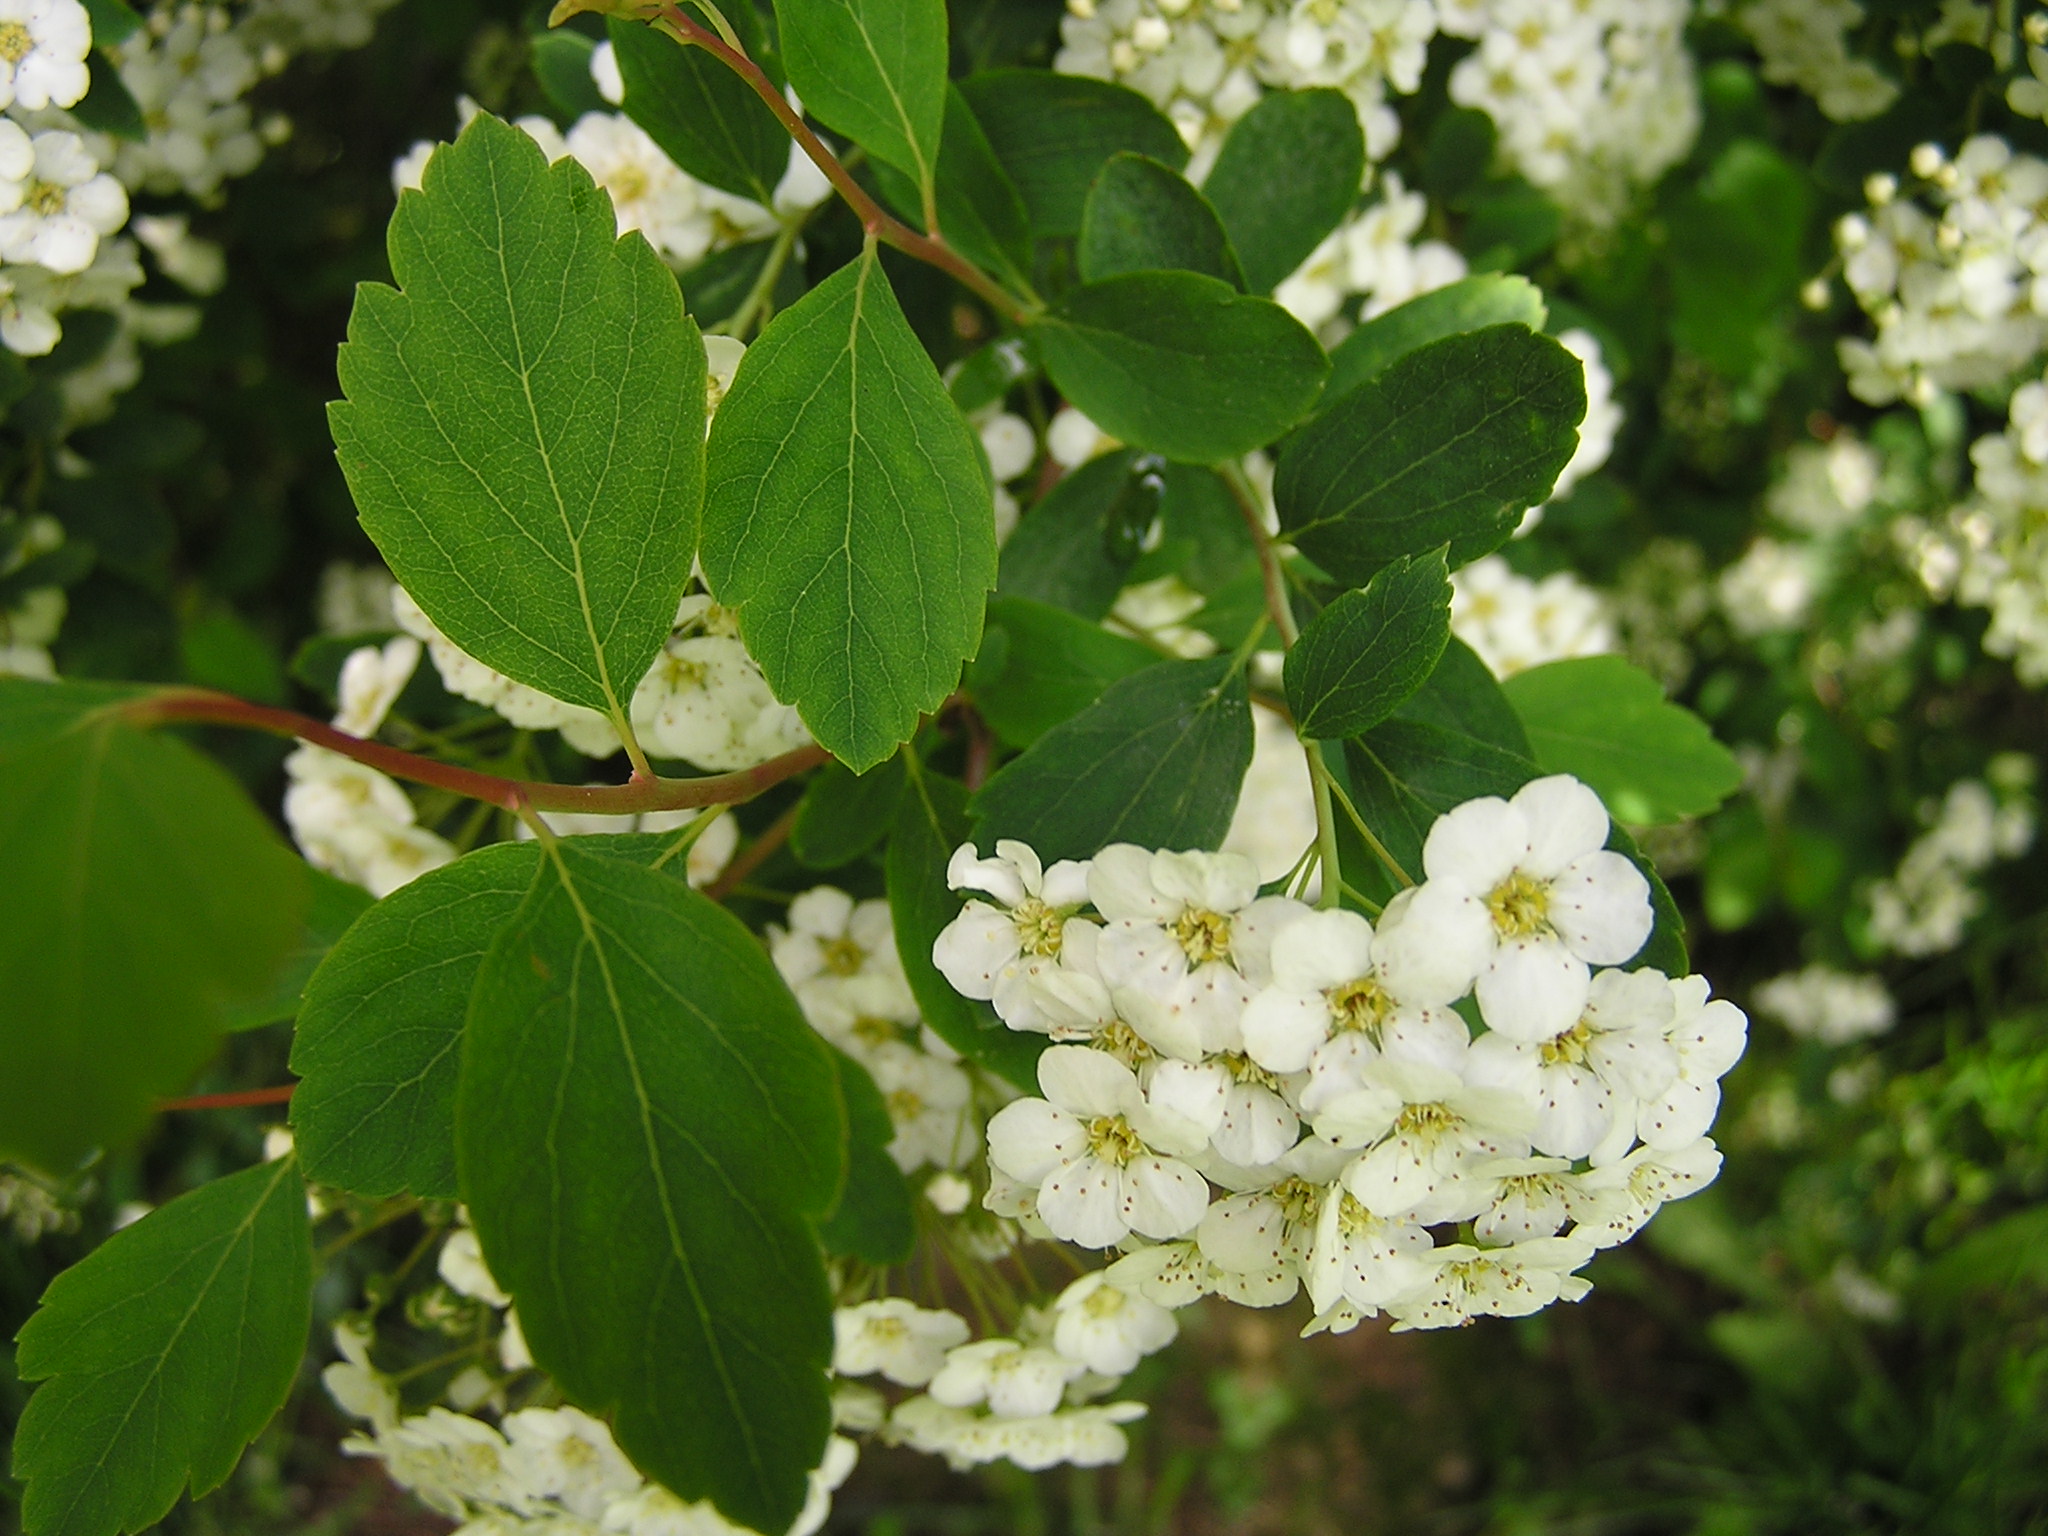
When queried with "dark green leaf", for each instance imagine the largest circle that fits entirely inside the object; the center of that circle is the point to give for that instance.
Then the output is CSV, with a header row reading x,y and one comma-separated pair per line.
x,y
1289,171
1451,444
873,1221
1470,304
165,1351
1463,695
988,373
844,814
524,422
1158,760
109,107
144,900
1608,723
874,70
113,21
379,1038
849,517
1508,224
1059,552
705,118
561,63
1052,133
1738,255
1054,666
931,821
980,210
1142,216
1362,656
1181,364
335,905
646,1128
716,288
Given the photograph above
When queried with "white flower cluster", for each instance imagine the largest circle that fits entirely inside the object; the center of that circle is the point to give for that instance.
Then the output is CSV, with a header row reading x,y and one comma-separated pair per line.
x,y
1205,63
1772,587
1923,907
347,818
1825,488
1804,44
1372,256
1251,1097
1955,279
1593,99
2028,94
30,1210
1515,623
1831,1006
28,627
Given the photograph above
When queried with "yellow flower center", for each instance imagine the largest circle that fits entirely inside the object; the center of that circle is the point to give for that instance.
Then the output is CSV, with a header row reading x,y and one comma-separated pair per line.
x,y
627,184
1427,1121
1202,935
1125,1044
1111,1138
842,957
15,42
44,197
1353,1219
903,1104
1244,1070
1362,1005
1520,906
873,1031
1038,928
1298,1199
1567,1049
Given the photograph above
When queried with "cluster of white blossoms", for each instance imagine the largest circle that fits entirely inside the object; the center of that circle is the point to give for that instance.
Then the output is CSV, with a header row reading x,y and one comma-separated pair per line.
x,y
1515,623
29,624
1924,906
1825,488
347,818
1374,258
1771,588
1824,1004
1593,99
1804,44
1954,278
2027,94
1249,1097
30,1210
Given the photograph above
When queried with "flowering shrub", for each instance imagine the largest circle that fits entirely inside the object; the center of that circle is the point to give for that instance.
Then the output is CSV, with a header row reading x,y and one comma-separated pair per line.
x,y
981,686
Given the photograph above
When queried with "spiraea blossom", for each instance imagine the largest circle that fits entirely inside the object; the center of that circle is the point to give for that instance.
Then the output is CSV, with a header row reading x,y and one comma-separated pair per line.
x,y
1284,1098
43,44
1515,623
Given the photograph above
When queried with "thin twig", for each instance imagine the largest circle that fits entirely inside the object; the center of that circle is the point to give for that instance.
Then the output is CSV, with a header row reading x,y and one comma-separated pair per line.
x,y
772,837
246,1097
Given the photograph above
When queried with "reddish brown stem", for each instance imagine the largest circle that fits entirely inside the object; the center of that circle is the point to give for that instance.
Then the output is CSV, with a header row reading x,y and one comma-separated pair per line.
x,y
202,706
277,1095
772,837
878,221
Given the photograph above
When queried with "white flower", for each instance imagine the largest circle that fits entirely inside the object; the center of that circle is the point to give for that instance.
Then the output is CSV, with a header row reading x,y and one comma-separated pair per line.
x,y
1464,1282
927,1100
1010,954
1827,1005
1616,1054
1531,881
705,701
1081,1437
1535,1196
1092,1149
59,205
1708,1037
648,192
1362,1259
839,957
43,44
567,1456
1423,1128
450,1460
462,1265
1275,819
1165,951
1107,1328
905,1343
1643,1181
1015,1380
1514,623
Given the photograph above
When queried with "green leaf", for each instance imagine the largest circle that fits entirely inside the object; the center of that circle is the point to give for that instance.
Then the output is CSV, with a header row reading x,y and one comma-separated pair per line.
x,y
1738,254
524,422
113,21
1142,216
931,821
849,517
109,107
1608,723
1052,133
646,1127
561,63
165,1350
335,905
980,210
1158,760
873,1221
1369,650
144,900
379,1038
1055,664
874,70
844,814
1060,552
1470,304
1449,445
1181,364
705,118
1288,172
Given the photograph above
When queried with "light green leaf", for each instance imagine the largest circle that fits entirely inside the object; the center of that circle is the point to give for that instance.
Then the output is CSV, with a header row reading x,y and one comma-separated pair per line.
x,y
646,1129
144,901
849,517
931,821
1052,132
1288,172
1181,364
1054,664
524,422
1607,722
843,814
873,1220
165,1351
1142,216
1470,304
379,1038
874,70
705,118
1451,444
1158,760
1369,650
